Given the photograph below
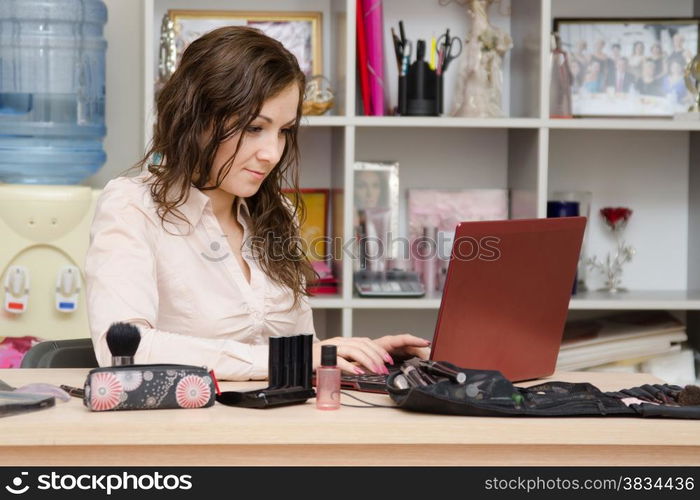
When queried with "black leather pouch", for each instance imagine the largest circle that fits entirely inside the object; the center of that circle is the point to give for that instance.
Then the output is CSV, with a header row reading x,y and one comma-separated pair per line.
x,y
488,393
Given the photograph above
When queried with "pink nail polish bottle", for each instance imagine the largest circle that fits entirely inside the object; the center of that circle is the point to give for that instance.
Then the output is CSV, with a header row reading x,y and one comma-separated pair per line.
x,y
328,380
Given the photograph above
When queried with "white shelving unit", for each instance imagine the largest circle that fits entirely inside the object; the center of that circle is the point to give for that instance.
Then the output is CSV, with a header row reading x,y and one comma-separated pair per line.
x,y
647,164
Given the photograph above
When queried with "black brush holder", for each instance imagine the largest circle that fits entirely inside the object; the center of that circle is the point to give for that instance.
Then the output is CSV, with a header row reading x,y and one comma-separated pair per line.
x,y
290,367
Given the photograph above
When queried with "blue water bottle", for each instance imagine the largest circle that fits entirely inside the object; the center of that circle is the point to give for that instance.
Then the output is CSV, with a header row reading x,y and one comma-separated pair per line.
x,y
52,90
556,208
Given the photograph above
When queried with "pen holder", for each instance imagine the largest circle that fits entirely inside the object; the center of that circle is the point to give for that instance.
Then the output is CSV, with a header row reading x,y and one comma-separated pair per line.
x,y
420,91
289,374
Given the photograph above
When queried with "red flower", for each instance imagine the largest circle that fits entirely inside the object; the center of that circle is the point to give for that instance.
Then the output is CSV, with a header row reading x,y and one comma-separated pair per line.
x,y
615,216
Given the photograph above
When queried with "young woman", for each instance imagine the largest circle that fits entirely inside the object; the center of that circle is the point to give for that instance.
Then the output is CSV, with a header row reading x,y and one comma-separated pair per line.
x,y
201,251
636,59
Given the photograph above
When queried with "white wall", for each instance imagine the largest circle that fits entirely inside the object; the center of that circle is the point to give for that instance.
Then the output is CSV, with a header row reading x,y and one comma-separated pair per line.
x,y
124,68
646,171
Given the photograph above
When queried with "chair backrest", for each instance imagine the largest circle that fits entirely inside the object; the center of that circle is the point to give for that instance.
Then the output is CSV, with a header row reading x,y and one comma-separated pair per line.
x,y
32,357
72,353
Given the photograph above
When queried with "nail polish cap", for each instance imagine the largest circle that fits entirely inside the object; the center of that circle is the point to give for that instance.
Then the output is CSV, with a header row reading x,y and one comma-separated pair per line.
x,y
328,355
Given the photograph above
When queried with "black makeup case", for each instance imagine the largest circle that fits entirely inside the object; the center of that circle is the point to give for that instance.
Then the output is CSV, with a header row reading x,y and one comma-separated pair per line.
x,y
149,387
289,369
487,393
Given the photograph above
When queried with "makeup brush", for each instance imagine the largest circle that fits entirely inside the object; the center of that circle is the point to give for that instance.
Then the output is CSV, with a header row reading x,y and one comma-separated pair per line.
x,y
690,396
123,340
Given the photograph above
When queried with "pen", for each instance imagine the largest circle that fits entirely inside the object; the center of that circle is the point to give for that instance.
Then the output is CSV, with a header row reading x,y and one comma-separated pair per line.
x,y
406,60
397,49
402,33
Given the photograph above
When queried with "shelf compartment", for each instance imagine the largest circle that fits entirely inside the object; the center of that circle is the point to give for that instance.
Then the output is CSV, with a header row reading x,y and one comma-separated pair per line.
x,y
646,171
322,151
479,158
520,91
333,39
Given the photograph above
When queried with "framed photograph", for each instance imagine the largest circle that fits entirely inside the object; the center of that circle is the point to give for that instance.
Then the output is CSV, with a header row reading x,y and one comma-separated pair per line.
x,y
376,212
314,225
629,67
299,32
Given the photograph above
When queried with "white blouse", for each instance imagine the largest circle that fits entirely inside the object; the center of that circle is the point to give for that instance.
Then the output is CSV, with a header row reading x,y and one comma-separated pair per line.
x,y
182,286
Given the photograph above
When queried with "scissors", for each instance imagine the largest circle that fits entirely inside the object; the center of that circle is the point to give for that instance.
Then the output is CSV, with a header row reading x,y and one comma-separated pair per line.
x,y
448,50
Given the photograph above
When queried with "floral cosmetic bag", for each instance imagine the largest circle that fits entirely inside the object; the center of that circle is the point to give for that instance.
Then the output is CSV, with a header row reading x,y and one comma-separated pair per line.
x,y
149,387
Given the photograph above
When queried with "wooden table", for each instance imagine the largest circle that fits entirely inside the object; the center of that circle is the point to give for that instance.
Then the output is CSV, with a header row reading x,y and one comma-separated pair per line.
x,y
69,434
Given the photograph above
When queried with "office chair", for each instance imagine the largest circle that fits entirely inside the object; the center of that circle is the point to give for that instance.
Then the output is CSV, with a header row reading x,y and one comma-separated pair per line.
x,y
72,353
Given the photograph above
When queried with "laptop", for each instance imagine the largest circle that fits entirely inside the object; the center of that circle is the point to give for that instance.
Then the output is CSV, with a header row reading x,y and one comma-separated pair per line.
x,y
506,298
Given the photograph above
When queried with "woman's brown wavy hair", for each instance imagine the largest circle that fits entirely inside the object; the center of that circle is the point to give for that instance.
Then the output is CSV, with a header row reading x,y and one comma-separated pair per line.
x,y
218,89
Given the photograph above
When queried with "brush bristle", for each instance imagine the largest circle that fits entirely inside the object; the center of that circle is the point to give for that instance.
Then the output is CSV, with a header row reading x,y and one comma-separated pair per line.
x,y
123,339
690,396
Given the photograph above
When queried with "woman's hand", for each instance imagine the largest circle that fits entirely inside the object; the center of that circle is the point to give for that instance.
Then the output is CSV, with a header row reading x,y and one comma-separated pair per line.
x,y
371,355
405,346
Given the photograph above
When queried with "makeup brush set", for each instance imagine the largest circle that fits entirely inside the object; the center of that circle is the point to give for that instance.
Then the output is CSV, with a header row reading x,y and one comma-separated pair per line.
x,y
441,387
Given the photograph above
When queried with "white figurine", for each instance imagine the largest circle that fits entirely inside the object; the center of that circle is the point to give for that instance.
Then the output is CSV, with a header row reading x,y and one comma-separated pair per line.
x,y
480,77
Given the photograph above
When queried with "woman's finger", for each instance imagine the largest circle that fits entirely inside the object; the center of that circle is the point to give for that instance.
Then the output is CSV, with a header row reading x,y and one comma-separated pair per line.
x,y
377,353
420,352
347,367
396,342
363,355
412,340
383,353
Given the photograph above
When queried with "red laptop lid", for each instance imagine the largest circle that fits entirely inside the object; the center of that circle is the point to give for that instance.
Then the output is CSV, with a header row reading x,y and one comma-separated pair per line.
x,y
507,294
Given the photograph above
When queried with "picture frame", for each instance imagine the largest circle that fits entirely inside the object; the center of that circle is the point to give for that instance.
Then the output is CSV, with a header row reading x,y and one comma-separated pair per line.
x,y
299,32
439,211
376,213
314,230
628,67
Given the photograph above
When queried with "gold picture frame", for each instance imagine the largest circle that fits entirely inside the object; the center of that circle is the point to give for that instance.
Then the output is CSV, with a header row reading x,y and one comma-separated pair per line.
x,y
314,219
299,32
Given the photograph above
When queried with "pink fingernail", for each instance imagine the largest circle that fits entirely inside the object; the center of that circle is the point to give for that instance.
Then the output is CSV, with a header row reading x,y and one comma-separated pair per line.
x,y
386,370
388,359
359,371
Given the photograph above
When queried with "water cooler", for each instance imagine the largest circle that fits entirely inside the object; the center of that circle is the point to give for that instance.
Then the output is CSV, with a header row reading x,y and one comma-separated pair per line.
x,y
52,95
